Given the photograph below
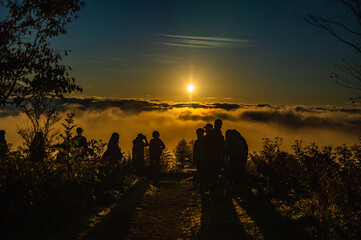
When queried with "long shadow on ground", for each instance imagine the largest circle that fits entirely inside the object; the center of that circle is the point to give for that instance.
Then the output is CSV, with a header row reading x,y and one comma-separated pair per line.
x,y
115,225
270,222
220,220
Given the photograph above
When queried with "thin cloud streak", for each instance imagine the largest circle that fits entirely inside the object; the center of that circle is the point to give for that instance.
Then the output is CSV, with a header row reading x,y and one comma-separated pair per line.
x,y
215,39
116,70
162,59
184,45
204,42
107,60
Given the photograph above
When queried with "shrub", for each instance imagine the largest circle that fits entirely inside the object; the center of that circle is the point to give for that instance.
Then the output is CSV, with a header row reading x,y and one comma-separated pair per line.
x,y
322,184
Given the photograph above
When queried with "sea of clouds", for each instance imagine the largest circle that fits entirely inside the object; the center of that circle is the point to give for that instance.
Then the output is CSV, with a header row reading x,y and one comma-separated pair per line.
x,y
100,117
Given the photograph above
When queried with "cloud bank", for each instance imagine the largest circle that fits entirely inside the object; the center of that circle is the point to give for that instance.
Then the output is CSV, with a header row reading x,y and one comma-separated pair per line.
x,y
101,117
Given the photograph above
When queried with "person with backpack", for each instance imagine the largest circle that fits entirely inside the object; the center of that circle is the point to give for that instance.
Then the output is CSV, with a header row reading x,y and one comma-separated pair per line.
x,y
236,158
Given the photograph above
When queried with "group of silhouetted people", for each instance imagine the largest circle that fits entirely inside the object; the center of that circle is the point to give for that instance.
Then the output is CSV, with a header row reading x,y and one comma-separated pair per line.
x,y
113,155
36,149
215,156
156,147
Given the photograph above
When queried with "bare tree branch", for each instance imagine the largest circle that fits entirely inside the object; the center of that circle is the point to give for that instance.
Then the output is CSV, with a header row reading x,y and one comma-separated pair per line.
x,y
327,25
347,74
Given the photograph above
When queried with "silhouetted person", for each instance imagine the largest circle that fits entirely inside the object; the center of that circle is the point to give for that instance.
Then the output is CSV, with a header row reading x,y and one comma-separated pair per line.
x,y
113,155
4,148
219,144
209,170
156,147
81,142
200,159
37,148
236,157
216,152
139,143
208,128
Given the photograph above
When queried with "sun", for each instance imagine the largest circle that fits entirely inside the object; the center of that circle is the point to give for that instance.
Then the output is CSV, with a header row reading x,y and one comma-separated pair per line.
x,y
190,88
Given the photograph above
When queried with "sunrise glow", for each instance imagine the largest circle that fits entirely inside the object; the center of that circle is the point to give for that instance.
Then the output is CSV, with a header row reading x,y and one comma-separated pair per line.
x,y
190,88
180,119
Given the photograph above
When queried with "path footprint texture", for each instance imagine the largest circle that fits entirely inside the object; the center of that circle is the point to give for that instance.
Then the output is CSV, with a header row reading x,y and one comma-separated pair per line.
x,y
170,209
173,209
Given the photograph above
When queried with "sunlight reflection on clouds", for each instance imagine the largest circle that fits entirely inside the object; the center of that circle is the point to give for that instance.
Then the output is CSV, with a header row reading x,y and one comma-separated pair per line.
x,y
176,121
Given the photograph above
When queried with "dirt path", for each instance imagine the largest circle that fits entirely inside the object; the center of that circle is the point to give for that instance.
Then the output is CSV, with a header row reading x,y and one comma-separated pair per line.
x,y
170,209
173,209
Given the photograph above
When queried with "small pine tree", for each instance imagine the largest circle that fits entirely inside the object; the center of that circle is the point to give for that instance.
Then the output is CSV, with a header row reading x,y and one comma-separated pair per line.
x,y
184,152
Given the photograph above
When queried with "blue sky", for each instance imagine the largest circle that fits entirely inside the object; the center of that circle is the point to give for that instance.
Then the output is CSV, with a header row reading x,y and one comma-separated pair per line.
x,y
236,51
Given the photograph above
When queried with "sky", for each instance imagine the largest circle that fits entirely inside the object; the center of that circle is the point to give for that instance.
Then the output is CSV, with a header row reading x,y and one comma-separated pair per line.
x,y
238,51
253,64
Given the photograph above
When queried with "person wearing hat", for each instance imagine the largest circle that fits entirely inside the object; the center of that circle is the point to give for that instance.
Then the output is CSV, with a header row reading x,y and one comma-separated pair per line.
x,y
139,143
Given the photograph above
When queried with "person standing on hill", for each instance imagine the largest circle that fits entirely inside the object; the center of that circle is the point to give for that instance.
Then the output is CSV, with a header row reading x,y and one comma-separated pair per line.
x,y
138,153
81,142
156,147
200,159
219,143
4,148
207,155
216,152
113,155
236,158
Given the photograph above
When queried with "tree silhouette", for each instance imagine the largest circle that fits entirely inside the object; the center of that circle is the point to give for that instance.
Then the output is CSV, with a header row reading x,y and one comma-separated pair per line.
x,y
184,152
29,66
348,73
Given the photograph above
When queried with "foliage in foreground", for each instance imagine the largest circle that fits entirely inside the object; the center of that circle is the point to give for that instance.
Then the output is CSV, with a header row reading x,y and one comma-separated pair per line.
x,y
321,186
30,67
40,196
59,188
